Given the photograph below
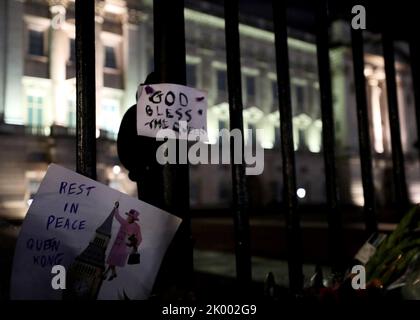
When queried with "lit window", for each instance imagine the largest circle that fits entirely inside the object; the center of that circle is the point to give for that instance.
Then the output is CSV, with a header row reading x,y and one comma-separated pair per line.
x,y
36,43
110,58
35,111
252,134
299,95
221,81
274,92
192,75
110,116
299,98
250,86
72,56
223,124
277,136
72,113
33,186
151,64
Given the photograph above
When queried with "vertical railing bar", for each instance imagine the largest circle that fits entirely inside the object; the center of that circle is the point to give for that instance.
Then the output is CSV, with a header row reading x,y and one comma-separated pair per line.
x,y
170,67
398,169
289,172
415,74
328,137
240,197
363,128
85,88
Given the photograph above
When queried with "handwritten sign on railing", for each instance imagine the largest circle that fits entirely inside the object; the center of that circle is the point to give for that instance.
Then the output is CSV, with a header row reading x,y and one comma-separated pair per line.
x,y
165,105
96,235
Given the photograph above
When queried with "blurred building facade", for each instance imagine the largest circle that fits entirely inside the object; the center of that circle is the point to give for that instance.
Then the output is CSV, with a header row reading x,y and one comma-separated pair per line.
x,y
38,100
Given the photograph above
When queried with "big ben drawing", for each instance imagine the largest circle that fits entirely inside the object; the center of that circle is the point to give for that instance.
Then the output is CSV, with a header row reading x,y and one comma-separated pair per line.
x,y
85,274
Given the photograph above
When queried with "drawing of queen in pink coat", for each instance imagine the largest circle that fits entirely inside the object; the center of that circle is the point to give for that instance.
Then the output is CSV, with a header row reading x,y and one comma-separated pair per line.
x,y
129,235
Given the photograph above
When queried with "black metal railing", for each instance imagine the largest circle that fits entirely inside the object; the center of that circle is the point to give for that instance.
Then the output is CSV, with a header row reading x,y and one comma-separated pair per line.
x,y
328,136
240,196
170,67
85,89
363,127
287,147
398,170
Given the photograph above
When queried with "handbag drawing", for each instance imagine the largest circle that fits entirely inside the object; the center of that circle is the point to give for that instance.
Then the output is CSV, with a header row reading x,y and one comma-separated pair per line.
x,y
134,257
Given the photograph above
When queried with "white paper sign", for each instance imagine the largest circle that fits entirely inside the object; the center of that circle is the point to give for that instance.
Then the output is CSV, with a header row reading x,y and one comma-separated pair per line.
x,y
164,105
110,244
365,253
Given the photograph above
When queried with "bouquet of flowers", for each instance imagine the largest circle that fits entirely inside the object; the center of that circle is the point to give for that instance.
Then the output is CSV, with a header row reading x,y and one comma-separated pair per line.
x,y
392,258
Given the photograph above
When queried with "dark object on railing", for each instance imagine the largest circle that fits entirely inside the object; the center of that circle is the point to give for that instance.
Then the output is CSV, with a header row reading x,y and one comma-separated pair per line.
x,y
363,126
138,155
398,170
328,138
240,196
286,127
85,88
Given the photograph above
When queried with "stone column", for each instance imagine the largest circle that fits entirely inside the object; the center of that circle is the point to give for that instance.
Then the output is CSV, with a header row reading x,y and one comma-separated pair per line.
x,y
134,53
59,51
14,102
402,109
266,103
207,74
377,128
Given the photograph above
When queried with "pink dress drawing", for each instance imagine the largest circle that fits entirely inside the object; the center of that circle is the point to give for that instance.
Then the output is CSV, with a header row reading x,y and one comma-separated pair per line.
x,y
119,252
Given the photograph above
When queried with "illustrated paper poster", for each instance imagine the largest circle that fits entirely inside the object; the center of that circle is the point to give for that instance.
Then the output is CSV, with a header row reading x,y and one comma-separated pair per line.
x,y
110,245
167,105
